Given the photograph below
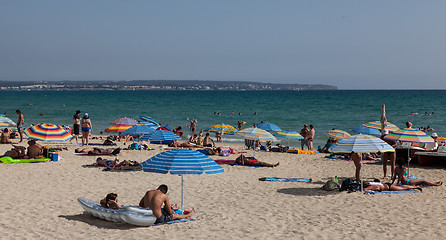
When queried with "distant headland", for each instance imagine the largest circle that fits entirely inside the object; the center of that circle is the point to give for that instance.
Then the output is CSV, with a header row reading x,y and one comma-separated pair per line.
x,y
186,85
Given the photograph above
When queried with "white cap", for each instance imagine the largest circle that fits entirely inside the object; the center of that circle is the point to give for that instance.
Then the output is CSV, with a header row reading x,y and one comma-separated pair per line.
x,y
434,135
86,114
385,131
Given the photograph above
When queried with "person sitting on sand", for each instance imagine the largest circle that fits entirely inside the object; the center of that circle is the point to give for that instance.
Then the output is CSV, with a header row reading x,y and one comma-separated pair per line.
x,y
34,149
175,143
6,134
378,187
99,151
403,177
110,201
251,161
154,199
207,141
193,139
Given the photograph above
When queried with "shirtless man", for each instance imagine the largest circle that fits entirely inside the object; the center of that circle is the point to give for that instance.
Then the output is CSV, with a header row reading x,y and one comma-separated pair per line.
x,y
154,199
98,151
20,124
310,137
304,132
17,152
34,149
207,141
76,125
193,125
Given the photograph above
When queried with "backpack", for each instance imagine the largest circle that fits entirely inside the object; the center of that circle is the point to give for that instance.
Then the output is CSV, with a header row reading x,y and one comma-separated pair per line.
x,y
330,185
349,185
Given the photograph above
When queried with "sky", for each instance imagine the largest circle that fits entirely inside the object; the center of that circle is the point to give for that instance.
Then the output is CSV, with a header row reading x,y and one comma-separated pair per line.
x,y
350,44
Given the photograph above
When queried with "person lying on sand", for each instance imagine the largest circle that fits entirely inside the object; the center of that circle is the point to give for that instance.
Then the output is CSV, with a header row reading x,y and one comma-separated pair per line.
x,y
154,199
378,187
403,177
100,151
110,201
251,161
115,164
16,152
175,143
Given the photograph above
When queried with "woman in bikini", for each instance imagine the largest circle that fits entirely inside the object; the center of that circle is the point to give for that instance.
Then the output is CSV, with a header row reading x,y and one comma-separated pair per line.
x,y
250,161
86,129
379,187
403,177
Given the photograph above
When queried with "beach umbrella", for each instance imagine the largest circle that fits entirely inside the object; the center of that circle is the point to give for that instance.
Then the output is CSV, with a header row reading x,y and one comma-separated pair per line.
x,y
290,134
124,121
269,127
147,119
48,132
366,130
361,143
255,134
5,122
138,130
222,128
441,139
159,136
338,134
181,162
119,128
377,125
409,135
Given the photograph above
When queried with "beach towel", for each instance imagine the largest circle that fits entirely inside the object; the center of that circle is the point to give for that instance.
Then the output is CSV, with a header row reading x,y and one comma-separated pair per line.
x,y
298,151
405,191
204,151
234,164
177,221
273,179
97,144
224,161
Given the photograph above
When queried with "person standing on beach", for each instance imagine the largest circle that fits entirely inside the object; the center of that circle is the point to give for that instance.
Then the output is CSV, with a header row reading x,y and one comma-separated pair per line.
x,y
388,155
20,124
310,137
86,129
193,125
304,132
356,158
76,125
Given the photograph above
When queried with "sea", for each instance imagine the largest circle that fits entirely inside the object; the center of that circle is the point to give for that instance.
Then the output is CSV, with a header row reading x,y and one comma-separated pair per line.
x,y
290,110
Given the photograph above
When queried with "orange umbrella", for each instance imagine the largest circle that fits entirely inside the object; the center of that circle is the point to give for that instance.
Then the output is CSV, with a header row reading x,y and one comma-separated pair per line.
x,y
118,128
441,139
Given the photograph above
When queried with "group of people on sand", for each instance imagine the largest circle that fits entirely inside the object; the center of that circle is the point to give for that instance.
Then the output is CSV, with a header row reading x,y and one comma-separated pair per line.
x,y
308,137
33,151
155,200
117,165
82,126
194,141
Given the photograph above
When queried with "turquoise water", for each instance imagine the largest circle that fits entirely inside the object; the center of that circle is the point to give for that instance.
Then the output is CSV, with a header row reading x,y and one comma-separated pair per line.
x,y
288,109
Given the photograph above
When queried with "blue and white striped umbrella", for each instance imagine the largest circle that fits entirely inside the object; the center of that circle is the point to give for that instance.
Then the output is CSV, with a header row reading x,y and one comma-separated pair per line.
x,y
366,130
361,143
181,162
147,119
139,130
159,136
269,127
5,122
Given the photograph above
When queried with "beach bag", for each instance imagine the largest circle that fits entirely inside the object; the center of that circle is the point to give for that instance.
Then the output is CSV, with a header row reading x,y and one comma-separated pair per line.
x,y
330,185
134,146
349,185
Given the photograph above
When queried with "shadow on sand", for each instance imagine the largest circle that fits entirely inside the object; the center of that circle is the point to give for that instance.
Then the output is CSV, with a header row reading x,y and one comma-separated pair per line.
x,y
307,191
96,222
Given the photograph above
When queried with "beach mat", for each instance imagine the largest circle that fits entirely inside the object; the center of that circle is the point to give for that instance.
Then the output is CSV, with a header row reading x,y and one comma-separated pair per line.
x,y
274,179
176,221
405,191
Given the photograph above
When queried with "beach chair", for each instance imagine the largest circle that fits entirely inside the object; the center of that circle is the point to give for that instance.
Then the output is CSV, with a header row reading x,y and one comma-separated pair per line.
x,y
249,143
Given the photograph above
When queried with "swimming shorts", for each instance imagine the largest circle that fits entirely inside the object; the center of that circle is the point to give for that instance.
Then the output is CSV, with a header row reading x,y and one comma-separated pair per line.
x,y
164,218
109,163
76,129
19,129
86,129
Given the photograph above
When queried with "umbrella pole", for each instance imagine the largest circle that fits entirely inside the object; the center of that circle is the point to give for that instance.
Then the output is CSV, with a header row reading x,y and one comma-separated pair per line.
x,y
408,160
362,185
182,198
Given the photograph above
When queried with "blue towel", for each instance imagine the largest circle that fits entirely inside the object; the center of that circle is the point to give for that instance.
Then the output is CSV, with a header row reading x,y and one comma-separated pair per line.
x,y
273,179
176,221
405,191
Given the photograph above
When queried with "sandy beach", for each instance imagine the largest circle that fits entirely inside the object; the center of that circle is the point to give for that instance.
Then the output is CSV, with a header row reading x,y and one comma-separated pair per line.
x,y
40,201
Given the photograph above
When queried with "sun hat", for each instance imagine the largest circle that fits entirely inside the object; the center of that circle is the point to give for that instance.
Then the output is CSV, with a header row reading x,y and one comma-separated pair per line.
x,y
434,135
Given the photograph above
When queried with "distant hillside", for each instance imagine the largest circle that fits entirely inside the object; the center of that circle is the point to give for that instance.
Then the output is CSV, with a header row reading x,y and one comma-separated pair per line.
x,y
157,85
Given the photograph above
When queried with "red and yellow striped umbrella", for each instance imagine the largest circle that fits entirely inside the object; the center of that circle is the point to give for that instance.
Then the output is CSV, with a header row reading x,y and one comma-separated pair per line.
x,y
377,125
48,132
118,128
339,134
409,135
